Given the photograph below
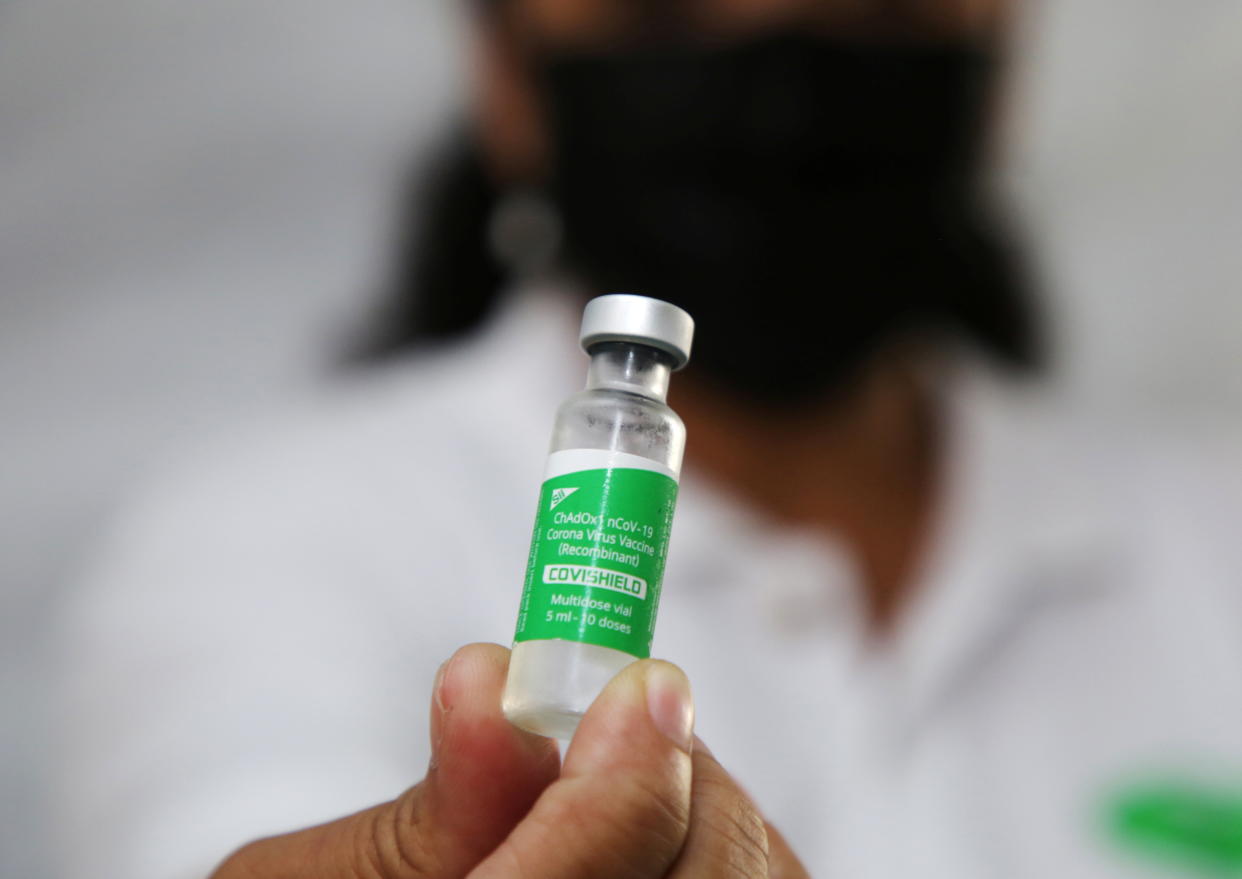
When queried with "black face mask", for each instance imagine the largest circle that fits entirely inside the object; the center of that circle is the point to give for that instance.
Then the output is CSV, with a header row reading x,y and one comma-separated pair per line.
x,y
805,200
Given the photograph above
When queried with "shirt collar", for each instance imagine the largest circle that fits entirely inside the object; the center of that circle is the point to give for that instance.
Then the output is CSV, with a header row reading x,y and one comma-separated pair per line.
x,y
1024,522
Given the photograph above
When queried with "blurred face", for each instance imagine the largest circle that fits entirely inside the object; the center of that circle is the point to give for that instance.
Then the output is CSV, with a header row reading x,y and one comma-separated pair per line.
x,y
798,174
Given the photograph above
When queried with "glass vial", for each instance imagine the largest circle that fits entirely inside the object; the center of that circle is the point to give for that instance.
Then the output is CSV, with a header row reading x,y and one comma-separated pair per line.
x,y
602,524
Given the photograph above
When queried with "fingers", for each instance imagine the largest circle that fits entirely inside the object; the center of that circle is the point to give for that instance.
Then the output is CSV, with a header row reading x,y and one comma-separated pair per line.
x,y
621,807
630,801
485,774
728,838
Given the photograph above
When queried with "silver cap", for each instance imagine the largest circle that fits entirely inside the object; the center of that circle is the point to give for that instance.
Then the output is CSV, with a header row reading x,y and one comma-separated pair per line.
x,y
622,317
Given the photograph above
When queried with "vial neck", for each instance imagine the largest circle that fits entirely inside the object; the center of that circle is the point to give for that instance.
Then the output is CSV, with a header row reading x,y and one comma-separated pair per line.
x,y
626,366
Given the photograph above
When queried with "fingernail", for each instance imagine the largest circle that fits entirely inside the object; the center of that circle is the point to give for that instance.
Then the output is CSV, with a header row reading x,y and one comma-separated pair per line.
x,y
438,685
670,703
437,714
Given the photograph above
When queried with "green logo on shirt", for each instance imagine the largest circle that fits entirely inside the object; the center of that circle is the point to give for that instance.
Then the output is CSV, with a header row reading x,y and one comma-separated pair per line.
x,y
1187,826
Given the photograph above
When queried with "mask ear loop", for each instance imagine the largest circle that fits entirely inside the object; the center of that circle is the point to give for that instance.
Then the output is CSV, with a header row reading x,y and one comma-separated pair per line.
x,y
524,233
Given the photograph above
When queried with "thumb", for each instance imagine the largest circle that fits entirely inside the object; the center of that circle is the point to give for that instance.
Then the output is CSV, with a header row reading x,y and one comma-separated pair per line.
x,y
621,808
484,776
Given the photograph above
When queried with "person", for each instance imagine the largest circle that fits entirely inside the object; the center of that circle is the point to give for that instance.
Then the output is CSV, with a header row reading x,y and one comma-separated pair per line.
x,y
934,628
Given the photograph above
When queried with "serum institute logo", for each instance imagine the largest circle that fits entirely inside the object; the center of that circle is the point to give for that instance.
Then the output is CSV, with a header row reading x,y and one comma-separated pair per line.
x,y
558,495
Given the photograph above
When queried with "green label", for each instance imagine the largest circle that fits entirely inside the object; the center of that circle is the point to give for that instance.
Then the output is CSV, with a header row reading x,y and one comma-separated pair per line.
x,y
597,557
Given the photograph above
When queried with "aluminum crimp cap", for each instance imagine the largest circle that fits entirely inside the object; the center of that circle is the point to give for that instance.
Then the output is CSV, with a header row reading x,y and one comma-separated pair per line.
x,y
623,317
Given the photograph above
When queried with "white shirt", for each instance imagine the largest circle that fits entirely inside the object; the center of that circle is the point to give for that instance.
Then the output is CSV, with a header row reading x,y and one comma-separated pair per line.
x,y
255,650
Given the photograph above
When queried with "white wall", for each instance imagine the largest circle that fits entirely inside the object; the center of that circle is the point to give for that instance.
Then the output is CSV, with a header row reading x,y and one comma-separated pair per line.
x,y
1126,149
194,204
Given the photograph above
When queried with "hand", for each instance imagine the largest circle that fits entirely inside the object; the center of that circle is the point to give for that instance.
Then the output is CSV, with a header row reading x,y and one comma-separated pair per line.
x,y
637,797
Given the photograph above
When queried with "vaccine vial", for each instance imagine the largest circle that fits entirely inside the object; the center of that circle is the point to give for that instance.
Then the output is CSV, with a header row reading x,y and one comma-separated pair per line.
x,y
602,524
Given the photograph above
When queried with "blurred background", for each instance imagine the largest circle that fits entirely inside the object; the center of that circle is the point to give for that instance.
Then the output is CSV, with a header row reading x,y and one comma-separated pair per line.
x,y
196,201
197,209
